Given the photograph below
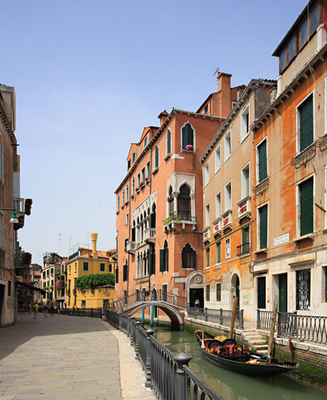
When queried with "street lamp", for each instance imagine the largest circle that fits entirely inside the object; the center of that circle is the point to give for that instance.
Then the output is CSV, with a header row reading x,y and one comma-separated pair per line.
x,y
13,219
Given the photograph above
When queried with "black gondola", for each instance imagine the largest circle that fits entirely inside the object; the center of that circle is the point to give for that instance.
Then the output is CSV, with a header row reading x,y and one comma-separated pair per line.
x,y
227,354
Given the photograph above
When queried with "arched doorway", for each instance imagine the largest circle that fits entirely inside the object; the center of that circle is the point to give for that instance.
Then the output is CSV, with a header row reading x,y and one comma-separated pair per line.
x,y
194,288
235,290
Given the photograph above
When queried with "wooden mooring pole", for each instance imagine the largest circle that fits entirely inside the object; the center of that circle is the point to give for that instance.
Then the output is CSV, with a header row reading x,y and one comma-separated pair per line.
x,y
272,329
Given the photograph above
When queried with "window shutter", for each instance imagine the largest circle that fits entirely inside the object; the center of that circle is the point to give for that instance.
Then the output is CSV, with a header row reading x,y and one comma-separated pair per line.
x,y
262,292
133,234
156,157
183,258
162,260
168,142
263,212
306,124
167,260
306,207
152,264
116,275
194,259
262,150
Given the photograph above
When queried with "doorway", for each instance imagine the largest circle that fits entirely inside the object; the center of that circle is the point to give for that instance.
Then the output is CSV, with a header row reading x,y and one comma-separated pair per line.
x,y
235,290
196,294
283,293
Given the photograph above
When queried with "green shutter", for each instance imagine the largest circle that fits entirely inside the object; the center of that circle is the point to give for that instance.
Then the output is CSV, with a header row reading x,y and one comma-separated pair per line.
x,y
152,259
162,260
263,214
168,142
156,157
306,207
262,154
194,259
262,292
218,250
167,260
306,124
125,271
183,258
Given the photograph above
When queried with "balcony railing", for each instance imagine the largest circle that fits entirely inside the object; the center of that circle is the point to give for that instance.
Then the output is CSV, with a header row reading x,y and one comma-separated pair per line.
x,y
243,249
19,205
174,218
217,226
227,219
130,247
244,208
150,234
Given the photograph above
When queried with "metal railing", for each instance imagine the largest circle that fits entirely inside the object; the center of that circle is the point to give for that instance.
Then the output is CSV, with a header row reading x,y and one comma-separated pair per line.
x,y
168,375
220,316
302,327
243,249
158,295
82,312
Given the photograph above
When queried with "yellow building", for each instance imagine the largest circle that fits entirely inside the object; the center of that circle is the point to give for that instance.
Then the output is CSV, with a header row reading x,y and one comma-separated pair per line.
x,y
86,262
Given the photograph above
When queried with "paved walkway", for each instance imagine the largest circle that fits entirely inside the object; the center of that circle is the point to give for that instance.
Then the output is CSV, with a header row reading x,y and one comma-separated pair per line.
x,y
63,357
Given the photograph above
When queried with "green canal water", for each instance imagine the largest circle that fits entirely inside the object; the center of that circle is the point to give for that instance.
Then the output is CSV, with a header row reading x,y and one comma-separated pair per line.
x,y
233,386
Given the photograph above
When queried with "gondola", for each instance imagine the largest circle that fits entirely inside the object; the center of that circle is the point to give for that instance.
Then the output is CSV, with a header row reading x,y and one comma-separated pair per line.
x,y
227,354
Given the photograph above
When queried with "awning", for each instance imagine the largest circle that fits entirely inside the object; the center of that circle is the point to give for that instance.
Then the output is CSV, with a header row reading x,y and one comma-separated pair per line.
x,y
30,287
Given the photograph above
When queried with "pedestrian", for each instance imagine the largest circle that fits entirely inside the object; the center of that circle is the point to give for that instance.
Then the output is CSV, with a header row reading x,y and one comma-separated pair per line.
x,y
35,309
29,308
52,309
197,303
45,310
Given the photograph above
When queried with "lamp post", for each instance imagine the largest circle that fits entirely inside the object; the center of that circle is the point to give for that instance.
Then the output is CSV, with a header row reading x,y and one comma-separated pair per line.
x,y
13,219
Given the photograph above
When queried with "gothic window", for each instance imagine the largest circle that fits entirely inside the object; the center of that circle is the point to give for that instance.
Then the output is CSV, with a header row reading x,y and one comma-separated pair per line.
x,y
188,257
188,137
184,203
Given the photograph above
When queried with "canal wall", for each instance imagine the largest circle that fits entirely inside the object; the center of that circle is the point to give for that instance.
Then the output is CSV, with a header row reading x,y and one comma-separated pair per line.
x,y
312,358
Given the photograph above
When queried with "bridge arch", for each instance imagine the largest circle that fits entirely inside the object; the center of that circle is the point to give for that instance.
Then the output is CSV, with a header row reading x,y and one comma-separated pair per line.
x,y
172,312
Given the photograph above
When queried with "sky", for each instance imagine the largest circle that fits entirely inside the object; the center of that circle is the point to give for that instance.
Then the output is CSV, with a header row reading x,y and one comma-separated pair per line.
x,y
90,74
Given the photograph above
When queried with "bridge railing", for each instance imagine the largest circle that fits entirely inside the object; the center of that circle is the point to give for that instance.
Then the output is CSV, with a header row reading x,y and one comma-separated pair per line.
x,y
158,295
82,312
168,375
217,316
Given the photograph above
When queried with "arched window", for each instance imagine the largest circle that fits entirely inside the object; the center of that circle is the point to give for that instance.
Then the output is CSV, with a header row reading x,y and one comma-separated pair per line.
x,y
184,203
170,199
168,142
156,157
188,257
188,137
133,232
164,258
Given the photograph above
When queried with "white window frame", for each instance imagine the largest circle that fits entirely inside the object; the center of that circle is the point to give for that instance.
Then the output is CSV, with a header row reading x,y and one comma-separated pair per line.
x,y
217,159
298,121
194,136
228,195
245,132
228,248
218,204
227,145
245,191
207,214
206,174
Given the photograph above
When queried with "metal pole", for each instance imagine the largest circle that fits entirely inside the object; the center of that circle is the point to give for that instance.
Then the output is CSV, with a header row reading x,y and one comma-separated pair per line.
x,y
180,379
149,333
137,355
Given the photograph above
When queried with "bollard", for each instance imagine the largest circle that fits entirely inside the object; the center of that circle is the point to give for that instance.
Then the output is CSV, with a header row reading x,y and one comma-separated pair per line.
x,y
137,356
132,333
149,333
180,381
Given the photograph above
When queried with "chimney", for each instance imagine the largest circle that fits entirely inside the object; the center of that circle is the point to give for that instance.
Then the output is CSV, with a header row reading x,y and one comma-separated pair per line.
x,y
94,237
273,94
163,116
223,81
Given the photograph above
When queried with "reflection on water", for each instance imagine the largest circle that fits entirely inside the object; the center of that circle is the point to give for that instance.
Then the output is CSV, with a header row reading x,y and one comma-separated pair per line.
x,y
230,385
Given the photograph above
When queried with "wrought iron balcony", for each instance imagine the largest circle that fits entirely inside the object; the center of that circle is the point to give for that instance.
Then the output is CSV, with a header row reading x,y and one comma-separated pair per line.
x,y
243,249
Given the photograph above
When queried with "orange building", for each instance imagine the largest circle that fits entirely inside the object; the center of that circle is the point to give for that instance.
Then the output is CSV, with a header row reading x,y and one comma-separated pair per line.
x,y
159,201
227,203
290,142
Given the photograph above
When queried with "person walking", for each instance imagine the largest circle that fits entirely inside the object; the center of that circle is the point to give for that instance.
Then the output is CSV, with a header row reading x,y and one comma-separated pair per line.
x,y
45,310
29,308
52,310
35,309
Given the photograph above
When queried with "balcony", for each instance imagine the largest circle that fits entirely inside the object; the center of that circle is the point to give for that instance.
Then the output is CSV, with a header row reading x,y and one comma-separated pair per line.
x,y
243,249
150,235
217,226
244,208
206,234
173,219
227,220
131,247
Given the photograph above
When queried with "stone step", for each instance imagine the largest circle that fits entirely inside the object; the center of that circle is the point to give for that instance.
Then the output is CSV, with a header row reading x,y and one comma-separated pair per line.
x,y
261,347
253,337
258,342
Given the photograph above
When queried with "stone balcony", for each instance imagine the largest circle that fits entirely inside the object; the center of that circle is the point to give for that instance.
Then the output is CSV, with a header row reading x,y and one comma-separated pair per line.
x,y
206,234
217,226
227,219
131,247
244,208
150,235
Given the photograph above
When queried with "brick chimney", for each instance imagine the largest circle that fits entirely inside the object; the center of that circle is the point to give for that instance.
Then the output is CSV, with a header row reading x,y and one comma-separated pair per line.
x,y
94,237
162,116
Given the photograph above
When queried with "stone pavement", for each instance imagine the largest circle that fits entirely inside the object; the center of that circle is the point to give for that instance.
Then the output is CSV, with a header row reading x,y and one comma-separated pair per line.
x,y
64,357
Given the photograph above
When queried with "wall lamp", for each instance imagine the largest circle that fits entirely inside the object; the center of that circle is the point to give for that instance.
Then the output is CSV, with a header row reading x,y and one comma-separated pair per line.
x,y
13,219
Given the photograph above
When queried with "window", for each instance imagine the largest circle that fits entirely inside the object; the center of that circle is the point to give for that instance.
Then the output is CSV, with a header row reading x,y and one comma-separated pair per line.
x,y
262,161
138,181
128,164
9,288
105,303
217,159
227,248
263,226
261,292
218,205
218,252
245,247
164,258
83,303
206,109
245,182
168,142
188,137
1,232
148,170
127,193
85,266
170,200
127,218
48,272
184,203
145,141
325,282
134,155
69,270
303,33
188,257
314,18
118,203
143,175
245,123
207,221
76,267
208,257
208,293
306,207
303,289
228,196
156,157
102,267
152,263
228,145
218,292
206,174
123,197
125,272
305,120
133,186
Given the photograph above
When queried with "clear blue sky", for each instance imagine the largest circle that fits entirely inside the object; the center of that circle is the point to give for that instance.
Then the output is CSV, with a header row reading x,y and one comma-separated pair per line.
x,y
89,75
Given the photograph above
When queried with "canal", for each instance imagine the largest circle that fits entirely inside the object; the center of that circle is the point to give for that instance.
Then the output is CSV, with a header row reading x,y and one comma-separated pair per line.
x,y
230,385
